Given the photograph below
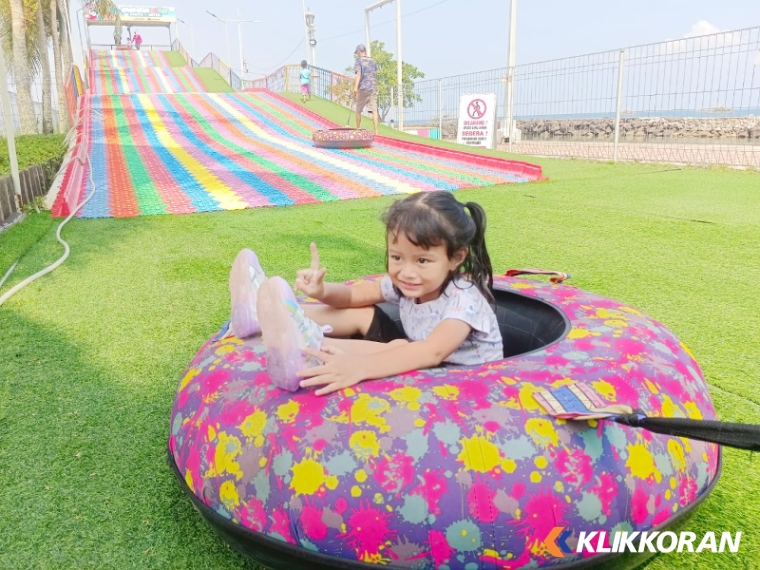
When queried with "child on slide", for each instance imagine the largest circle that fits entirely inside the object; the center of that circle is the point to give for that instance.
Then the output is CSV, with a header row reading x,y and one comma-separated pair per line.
x,y
306,75
439,273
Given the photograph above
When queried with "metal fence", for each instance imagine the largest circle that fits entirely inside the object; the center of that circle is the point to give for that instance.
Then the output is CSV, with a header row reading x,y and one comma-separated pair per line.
x,y
695,100
37,102
324,83
213,61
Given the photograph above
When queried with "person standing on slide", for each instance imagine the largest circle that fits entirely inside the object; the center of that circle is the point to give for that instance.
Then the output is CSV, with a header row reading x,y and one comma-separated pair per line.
x,y
365,85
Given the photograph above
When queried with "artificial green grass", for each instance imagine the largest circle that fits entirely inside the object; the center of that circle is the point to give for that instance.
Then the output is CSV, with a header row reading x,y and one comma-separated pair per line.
x,y
212,81
175,59
91,355
31,150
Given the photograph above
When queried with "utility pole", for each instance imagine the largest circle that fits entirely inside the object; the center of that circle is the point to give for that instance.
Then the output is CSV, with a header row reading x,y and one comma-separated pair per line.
x,y
399,63
509,102
240,34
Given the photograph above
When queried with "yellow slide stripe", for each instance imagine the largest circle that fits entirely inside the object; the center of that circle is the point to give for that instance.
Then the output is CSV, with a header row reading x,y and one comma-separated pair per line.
x,y
121,73
217,189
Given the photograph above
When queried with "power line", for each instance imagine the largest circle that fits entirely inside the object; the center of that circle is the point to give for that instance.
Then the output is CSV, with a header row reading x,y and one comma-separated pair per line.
x,y
348,34
284,60
386,22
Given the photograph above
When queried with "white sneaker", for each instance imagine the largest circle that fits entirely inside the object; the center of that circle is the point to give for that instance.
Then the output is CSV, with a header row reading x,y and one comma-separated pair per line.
x,y
246,277
286,331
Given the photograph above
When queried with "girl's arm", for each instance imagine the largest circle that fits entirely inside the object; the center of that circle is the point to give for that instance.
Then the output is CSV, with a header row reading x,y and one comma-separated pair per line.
x,y
341,296
341,370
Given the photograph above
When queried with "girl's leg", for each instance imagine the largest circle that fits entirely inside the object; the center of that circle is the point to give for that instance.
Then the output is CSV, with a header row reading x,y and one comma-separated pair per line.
x,y
288,329
344,322
361,346
246,276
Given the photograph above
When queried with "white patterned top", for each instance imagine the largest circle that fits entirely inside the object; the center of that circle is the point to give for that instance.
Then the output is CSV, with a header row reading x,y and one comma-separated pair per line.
x,y
460,300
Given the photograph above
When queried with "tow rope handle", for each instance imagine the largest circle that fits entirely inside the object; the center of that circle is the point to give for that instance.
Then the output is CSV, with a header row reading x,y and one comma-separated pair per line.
x,y
558,276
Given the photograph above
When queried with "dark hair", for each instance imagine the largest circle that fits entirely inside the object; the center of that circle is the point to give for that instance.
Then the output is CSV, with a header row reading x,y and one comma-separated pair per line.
x,y
304,63
430,219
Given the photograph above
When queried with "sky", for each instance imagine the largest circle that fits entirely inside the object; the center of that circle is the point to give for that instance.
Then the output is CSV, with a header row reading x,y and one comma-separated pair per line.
x,y
440,37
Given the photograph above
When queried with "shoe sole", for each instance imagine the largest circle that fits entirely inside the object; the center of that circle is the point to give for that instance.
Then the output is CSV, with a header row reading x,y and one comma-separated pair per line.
x,y
244,318
280,333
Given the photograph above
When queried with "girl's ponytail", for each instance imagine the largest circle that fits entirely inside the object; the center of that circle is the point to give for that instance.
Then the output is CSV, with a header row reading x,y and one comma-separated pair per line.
x,y
480,269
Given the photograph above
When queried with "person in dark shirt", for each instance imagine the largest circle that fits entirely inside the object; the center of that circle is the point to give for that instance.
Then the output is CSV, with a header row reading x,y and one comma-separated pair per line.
x,y
365,85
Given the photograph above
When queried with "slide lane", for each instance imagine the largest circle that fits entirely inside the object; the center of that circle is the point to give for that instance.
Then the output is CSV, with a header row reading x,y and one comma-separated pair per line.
x,y
430,178
305,174
456,174
348,172
168,186
253,187
496,175
191,152
419,181
114,75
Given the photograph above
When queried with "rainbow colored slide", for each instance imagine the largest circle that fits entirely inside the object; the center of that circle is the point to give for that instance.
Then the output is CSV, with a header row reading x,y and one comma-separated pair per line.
x,y
136,71
174,150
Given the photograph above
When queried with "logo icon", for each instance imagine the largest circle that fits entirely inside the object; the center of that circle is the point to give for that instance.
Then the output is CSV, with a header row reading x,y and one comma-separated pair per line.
x,y
555,542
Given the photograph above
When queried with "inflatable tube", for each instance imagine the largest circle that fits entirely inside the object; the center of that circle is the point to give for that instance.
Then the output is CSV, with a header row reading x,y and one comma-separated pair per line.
x,y
343,138
453,468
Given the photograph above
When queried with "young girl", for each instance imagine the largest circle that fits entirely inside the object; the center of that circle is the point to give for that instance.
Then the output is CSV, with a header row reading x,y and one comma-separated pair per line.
x,y
305,81
440,275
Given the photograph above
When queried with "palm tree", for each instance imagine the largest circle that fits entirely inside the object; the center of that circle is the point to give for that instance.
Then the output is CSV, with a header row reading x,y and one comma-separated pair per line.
x,y
21,68
42,49
56,22
26,25
67,56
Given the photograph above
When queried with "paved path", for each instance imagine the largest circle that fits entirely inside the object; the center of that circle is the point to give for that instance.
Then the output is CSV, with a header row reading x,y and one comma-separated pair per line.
x,y
734,154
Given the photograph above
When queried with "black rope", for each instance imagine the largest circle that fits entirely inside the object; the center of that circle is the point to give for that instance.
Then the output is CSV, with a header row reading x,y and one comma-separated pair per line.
x,y
741,436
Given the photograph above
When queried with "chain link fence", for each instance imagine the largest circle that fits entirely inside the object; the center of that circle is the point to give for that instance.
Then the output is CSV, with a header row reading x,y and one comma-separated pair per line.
x,y
36,101
694,100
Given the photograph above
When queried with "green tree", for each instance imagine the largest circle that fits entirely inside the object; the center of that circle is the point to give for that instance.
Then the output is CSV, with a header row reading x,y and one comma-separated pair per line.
x,y
387,79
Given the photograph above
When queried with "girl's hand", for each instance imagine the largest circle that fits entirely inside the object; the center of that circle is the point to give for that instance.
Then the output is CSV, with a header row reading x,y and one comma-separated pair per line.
x,y
310,281
339,371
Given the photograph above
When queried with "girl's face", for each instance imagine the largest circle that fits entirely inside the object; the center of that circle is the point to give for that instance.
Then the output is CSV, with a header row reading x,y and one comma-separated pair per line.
x,y
419,273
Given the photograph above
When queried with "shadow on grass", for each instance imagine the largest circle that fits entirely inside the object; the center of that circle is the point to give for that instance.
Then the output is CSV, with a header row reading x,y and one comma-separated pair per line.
x,y
87,483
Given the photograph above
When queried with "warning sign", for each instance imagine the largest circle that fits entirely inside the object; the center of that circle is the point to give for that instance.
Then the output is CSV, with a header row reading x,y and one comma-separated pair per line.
x,y
477,119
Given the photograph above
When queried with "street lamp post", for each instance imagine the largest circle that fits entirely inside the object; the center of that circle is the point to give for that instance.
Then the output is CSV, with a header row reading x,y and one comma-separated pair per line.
x,y
226,35
240,34
192,38
79,26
